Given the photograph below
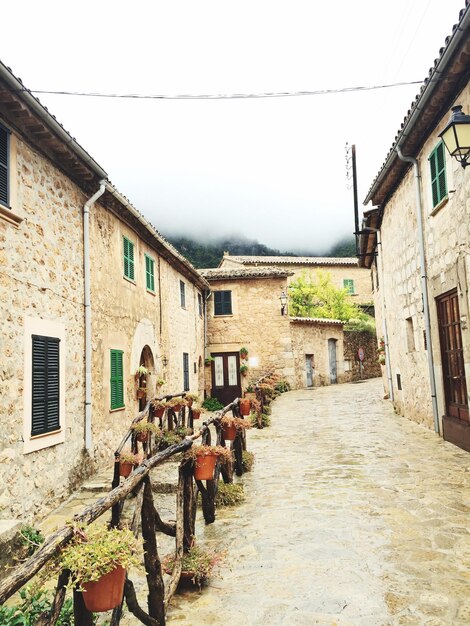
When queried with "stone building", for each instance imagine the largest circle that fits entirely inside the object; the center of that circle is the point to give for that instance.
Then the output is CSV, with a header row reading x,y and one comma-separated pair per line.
x,y
79,267
421,270
345,272
244,311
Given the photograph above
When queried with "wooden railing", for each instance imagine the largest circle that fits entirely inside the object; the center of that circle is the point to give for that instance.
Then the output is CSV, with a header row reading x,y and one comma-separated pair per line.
x,y
145,514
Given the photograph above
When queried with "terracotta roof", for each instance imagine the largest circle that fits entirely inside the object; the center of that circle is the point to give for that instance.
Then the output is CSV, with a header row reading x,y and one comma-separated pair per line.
x,y
291,260
248,273
316,320
444,82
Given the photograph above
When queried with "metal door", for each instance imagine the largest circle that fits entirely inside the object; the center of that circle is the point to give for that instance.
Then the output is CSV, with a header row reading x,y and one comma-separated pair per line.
x,y
332,360
309,369
453,370
226,376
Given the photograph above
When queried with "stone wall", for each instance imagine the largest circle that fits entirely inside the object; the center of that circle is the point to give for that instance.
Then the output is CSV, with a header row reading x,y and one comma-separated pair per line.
x,y
41,286
256,323
312,338
447,244
371,368
126,316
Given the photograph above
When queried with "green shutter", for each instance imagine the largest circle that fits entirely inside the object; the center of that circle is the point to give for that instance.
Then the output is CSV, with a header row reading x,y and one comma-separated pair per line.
x,y
4,159
128,249
348,284
45,409
223,302
117,380
185,371
150,273
437,165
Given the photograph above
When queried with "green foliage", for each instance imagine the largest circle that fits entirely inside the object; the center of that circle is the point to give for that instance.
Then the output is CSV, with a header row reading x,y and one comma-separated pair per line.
x,y
212,404
344,248
248,460
170,437
197,563
34,602
282,386
265,420
96,551
320,298
31,538
229,494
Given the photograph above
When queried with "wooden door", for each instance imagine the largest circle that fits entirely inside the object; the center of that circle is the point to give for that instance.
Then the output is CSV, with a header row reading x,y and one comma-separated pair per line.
x,y
453,370
332,360
226,377
309,369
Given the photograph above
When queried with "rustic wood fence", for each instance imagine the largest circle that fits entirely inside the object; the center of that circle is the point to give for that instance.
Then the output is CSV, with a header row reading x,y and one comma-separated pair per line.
x,y
145,516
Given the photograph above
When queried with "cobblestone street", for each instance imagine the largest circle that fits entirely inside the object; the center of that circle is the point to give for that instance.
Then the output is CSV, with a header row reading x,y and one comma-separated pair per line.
x,y
353,516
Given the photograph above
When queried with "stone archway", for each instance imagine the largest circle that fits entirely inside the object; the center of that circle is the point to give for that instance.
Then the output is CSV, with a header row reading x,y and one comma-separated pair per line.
x,y
146,380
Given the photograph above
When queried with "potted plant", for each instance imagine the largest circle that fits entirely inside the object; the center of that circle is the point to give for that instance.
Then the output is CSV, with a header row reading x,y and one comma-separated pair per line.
x,y
159,408
191,398
243,370
98,559
127,462
141,392
197,564
250,392
232,425
176,404
243,354
160,382
208,360
143,428
197,412
244,406
205,458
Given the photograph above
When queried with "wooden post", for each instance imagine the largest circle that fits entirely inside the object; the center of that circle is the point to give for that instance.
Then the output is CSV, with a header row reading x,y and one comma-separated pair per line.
x,y
153,566
189,507
81,615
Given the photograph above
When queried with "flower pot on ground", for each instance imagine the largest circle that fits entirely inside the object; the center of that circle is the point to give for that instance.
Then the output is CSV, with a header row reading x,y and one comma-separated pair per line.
x,y
245,406
100,556
205,458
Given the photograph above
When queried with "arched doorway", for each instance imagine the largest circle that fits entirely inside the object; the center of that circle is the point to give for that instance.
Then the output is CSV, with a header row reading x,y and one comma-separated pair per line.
x,y
145,377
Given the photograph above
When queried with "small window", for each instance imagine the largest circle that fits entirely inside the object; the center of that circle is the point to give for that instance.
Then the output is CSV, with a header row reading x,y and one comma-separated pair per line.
x,y
200,304
410,334
348,284
128,249
150,273
437,164
117,380
45,385
185,371
4,166
222,303
182,294
399,382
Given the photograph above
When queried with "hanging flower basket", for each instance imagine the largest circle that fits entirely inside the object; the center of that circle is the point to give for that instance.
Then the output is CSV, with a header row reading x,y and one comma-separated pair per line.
x,y
204,466
105,593
196,414
127,462
229,432
125,468
141,393
245,406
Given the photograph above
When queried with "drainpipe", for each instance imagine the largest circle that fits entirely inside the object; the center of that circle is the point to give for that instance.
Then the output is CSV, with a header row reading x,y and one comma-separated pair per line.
x,y
424,285
206,298
86,265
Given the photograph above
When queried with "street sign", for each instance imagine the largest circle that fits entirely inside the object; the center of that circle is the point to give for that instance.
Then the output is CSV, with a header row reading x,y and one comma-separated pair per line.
x,y
360,354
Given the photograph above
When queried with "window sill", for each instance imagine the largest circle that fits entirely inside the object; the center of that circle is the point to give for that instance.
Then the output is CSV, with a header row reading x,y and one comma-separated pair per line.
x,y
152,293
9,216
121,408
223,315
439,206
129,280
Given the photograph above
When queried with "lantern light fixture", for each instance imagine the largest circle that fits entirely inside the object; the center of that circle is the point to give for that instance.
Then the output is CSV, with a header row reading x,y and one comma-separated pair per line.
x,y
283,299
456,136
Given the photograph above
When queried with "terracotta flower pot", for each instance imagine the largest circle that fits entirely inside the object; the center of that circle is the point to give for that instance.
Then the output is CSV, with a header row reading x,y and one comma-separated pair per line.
x,y
125,468
142,436
229,433
105,593
189,401
177,408
245,406
141,393
204,466
159,412
196,414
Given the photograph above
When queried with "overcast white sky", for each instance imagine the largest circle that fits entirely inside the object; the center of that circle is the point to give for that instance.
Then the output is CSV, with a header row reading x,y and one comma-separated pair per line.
x,y
270,169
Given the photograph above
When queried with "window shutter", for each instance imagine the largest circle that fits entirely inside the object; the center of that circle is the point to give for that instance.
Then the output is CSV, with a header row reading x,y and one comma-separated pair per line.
x,y
186,371
182,294
222,303
4,158
438,174
117,380
149,273
45,412
128,258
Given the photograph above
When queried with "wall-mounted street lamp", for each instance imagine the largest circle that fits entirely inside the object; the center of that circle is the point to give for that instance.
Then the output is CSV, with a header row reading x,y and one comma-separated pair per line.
x,y
283,299
456,136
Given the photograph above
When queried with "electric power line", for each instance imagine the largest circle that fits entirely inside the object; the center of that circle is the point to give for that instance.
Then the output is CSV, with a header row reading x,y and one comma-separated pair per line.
x,y
233,96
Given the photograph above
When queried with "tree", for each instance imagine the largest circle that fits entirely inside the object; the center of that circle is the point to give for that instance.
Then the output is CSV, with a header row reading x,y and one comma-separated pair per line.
x,y
318,297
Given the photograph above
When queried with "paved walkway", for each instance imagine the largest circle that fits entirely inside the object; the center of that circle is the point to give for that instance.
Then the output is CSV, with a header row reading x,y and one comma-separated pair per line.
x,y
354,516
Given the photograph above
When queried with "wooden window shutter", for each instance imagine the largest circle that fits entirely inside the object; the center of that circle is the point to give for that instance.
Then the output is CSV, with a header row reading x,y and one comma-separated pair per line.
x,y
45,409
438,174
222,302
182,294
117,380
128,247
149,273
186,371
4,162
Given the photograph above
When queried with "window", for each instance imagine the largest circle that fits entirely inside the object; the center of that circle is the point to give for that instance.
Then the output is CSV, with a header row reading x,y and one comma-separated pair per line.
x,y
348,284
200,304
117,380
410,334
222,303
150,273
128,249
182,294
185,371
45,409
438,174
4,163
